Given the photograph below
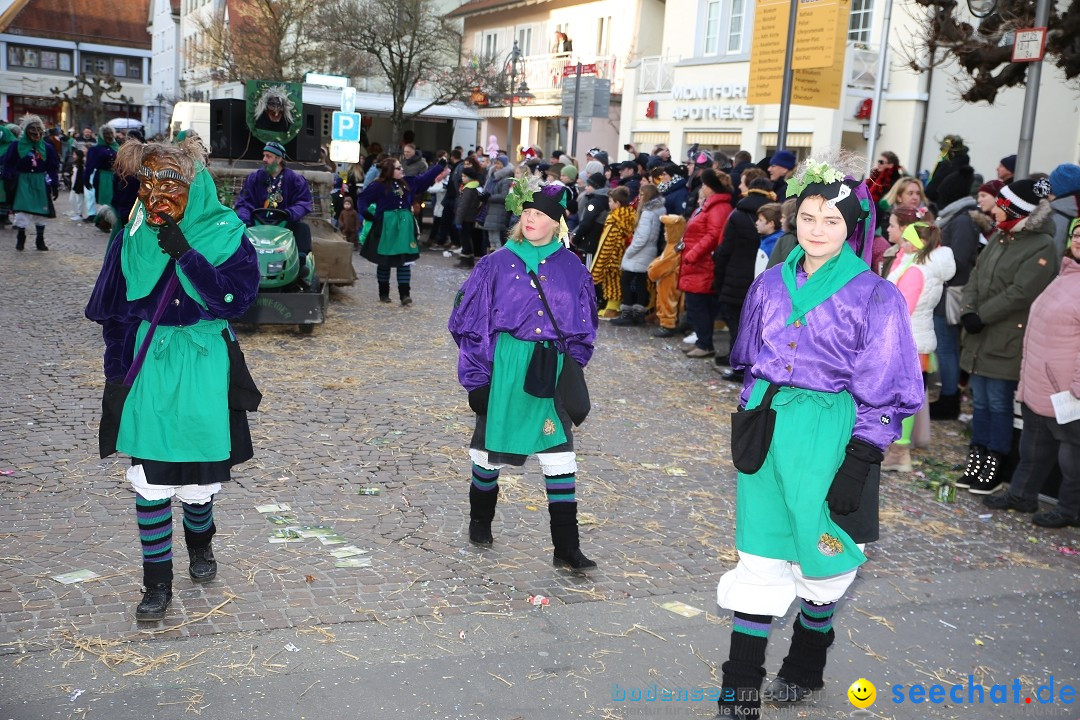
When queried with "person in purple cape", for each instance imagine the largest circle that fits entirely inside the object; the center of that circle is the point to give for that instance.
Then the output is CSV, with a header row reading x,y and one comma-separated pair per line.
x,y
834,342
525,310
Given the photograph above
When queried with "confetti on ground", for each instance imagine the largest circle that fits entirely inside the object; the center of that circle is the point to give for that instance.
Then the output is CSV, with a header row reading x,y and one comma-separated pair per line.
x,y
75,576
272,508
680,608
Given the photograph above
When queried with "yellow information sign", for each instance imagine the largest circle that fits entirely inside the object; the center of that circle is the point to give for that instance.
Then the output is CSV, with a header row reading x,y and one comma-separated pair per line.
x,y
823,86
767,53
815,31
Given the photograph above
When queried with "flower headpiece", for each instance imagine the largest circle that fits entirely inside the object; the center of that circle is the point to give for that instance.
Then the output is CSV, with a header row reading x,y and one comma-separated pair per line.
x,y
527,192
843,193
815,172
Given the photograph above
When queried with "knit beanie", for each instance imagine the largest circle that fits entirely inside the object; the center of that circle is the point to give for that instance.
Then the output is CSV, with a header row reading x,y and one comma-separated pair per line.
x,y
1009,161
1065,180
596,180
785,159
1019,199
571,172
992,187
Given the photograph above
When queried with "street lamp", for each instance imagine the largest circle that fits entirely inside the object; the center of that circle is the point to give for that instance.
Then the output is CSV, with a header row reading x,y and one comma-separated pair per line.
x,y
515,65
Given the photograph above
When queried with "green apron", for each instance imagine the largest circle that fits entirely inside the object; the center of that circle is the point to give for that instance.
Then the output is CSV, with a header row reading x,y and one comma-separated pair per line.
x,y
177,410
31,195
517,422
398,234
103,187
780,511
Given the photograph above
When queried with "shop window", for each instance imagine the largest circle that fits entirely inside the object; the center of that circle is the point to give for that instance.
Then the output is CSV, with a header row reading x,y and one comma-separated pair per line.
x,y
21,56
862,15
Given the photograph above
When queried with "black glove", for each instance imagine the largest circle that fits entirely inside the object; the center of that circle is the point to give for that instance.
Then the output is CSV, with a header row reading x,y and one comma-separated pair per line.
x,y
478,399
972,323
845,494
441,162
370,217
171,238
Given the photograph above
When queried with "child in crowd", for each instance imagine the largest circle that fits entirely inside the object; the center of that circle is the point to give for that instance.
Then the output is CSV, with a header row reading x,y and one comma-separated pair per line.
x,y
77,198
607,262
769,219
920,270
468,206
349,221
832,342
635,261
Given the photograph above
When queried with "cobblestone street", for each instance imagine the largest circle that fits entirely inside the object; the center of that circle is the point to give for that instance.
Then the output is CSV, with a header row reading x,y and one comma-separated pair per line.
x,y
371,400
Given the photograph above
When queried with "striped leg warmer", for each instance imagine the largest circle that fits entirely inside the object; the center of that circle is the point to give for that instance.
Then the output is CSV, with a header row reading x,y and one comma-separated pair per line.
x,y
199,526
155,535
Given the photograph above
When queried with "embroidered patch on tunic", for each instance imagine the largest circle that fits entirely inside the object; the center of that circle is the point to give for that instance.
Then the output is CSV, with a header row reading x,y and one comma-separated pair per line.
x,y
885,420
829,545
549,427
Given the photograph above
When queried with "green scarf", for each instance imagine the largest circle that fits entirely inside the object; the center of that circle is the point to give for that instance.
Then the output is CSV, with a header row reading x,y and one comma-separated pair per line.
x,y
114,145
823,284
210,228
25,146
530,254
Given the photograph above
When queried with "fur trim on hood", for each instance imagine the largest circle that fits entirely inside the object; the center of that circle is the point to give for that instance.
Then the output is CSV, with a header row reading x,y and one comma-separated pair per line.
x,y
984,222
1040,220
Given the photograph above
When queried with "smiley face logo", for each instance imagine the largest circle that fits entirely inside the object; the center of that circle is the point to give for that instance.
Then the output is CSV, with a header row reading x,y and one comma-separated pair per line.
x,y
862,693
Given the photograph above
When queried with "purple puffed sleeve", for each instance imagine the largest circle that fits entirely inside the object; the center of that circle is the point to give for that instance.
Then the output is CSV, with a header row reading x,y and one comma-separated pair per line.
x,y
581,344
748,342
887,380
245,201
470,325
300,201
228,289
420,183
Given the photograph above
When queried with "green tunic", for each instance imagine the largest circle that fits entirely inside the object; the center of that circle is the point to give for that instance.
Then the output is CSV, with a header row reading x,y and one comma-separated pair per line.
x,y
398,234
780,511
183,384
517,422
31,194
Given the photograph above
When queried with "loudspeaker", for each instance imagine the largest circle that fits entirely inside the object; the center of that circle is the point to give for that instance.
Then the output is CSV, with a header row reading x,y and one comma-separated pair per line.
x,y
231,139
305,146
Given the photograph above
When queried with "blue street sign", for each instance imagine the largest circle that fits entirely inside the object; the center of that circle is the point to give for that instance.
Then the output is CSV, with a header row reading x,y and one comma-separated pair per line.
x,y
345,127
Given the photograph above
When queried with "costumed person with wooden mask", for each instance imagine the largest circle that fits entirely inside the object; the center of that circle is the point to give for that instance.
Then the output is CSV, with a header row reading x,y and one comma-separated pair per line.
x,y
522,307
182,263
830,343
31,180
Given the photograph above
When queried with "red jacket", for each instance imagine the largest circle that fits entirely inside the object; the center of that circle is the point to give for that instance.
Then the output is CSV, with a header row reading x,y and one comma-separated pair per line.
x,y
702,236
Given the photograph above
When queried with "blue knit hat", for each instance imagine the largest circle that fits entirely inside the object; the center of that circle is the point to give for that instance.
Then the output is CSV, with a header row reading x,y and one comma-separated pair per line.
x,y
275,148
785,159
1065,180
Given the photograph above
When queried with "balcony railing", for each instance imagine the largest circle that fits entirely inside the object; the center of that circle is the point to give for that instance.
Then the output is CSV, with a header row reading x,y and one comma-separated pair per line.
x,y
861,66
656,74
544,73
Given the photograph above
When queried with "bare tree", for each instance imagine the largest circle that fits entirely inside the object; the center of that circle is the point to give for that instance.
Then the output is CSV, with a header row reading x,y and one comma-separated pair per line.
x,y
266,40
87,94
984,52
411,43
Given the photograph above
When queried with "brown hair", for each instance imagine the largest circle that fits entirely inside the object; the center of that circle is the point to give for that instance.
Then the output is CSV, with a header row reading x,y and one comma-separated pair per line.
x,y
749,175
647,193
772,212
905,216
620,195
189,155
931,237
386,174
788,209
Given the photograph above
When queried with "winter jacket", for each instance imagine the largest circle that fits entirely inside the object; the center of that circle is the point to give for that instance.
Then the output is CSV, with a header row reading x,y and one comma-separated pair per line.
x,y
592,211
1011,272
955,186
676,195
468,203
922,286
295,193
703,234
453,185
633,184
643,248
734,259
783,247
497,214
349,224
1066,207
414,166
961,233
1051,356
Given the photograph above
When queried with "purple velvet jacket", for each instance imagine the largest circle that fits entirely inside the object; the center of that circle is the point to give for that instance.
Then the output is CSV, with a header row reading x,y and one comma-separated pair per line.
x,y
858,340
376,192
295,193
227,289
497,297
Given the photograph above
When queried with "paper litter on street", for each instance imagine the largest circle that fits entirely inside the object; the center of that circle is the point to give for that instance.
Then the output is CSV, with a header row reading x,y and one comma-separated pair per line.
x,y
75,576
353,562
680,608
272,508
347,551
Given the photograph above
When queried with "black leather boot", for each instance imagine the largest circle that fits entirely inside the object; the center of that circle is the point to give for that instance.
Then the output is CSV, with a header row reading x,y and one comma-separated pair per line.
x,y
155,602
803,669
384,292
20,239
404,290
481,513
564,536
202,567
40,241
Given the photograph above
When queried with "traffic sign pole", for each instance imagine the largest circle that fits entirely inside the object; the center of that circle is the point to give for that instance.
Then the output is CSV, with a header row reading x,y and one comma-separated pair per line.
x,y
577,95
1031,99
785,93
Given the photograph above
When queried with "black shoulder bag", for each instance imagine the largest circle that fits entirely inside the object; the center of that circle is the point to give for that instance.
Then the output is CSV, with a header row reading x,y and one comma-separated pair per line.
x,y
540,378
752,432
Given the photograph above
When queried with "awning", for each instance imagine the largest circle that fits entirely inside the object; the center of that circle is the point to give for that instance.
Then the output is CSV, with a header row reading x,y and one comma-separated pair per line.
x,y
522,111
715,139
794,140
642,139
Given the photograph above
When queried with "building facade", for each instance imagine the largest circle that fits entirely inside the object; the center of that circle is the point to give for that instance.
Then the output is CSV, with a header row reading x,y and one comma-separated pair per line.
x,y
696,92
164,27
603,35
46,44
